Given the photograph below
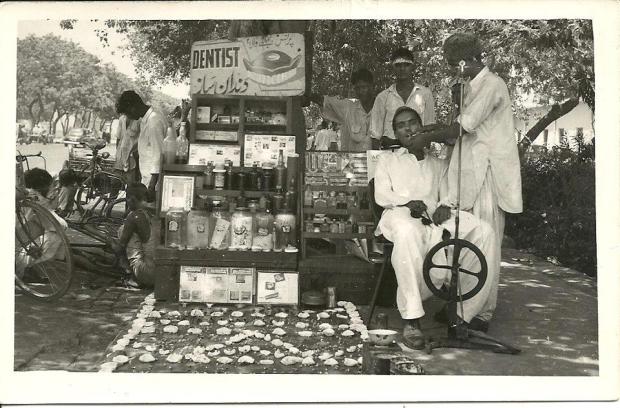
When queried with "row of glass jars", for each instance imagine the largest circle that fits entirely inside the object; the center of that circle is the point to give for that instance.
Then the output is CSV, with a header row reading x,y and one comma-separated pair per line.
x,y
242,230
334,199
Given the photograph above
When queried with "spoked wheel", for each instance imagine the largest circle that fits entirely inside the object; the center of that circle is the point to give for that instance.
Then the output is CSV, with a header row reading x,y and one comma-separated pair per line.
x,y
471,264
43,259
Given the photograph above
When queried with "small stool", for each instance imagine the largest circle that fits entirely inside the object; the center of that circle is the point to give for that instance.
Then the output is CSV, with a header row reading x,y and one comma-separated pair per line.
x,y
388,247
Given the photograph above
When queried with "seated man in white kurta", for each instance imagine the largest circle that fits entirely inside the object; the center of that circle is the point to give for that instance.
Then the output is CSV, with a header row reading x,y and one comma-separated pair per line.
x,y
407,185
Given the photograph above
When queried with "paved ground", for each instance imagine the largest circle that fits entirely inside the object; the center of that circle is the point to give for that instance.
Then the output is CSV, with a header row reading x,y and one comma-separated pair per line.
x,y
548,311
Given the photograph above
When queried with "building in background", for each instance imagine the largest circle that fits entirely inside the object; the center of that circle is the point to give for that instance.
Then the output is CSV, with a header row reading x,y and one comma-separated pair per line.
x,y
580,120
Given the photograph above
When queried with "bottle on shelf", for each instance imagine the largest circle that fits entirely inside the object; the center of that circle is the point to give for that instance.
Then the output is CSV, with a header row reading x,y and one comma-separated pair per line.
x,y
208,176
263,232
170,146
219,177
197,229
252,181
280,172
278,201
219,226
241,230
176,221
290,198
308,197
228,176
262,203
320,203
332,199
267,178
182,146
364,203
286,232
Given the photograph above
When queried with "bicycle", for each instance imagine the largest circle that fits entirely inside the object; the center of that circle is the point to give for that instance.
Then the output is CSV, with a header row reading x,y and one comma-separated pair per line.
x,y
99,187
43,259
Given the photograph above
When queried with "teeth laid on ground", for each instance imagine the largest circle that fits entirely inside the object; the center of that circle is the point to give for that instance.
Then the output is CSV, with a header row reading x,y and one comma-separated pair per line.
x,y
149,323
197,313
322,315
341,316
308,353
223,331
349,362
351,349
229,352
259,335
347,333
328,332
338,353
155,314
257,314
324,356
174,313
330,362
171,329
360,360
278,331
164,321
194,330
213,353
239,324
108,367
290,360
164,352
305,333
278,354
122,342
120,359
303,315
258,323
267,337
146,358
222,322
147,330
281,315
364,336
342,303
118,347
301,325
307,361
277,323
236,313
339,309
150,348
224,360
200,358
174,358
216,314
245,360
183,323
277,342
265,352
324,326
244,349
255,348
137,345
265,362
205,324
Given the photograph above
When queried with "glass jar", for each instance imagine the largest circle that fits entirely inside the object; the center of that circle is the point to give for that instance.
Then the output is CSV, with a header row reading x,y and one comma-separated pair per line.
x,y
331,199
241,230
219,175
197,229
320,204
262,239
267,178
209,176
341,202
219,226
286,231
176,222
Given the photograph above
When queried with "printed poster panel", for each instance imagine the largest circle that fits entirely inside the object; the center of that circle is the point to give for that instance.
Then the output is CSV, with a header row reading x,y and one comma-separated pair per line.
x,y
276,287
177,191
201,154
272,65
216,285
240,285
264,149
191,284
372,158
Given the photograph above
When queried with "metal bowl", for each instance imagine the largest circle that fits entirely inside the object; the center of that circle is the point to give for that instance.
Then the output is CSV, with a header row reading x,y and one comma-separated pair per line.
x,y
382,337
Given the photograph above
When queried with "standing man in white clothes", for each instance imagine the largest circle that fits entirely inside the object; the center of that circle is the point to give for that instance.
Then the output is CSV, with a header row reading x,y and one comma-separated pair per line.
x,y
491,172
153,127
403,92
408,185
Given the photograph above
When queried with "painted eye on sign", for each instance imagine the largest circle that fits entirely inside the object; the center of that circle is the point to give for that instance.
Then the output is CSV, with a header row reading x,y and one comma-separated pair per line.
x,y
272,65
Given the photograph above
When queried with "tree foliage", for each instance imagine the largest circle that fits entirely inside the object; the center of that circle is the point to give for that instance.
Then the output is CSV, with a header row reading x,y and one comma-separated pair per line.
x,y
57,78
553,59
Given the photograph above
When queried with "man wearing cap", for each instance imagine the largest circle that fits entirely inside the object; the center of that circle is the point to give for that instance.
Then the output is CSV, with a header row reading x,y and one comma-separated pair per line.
x,y
404,92
490,172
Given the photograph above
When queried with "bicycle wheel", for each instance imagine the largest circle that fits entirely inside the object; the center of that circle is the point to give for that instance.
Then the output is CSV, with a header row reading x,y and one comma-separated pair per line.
x,y
43,260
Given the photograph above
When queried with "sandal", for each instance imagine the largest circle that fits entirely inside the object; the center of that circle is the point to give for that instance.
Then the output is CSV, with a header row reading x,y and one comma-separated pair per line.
x,y
413,338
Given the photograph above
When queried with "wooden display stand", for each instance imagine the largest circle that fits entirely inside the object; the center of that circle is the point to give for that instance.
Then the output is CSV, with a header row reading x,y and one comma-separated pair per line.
x,y
169,260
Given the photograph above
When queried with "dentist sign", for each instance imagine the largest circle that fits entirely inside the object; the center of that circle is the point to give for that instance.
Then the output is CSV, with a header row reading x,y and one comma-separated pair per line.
x,y
273,65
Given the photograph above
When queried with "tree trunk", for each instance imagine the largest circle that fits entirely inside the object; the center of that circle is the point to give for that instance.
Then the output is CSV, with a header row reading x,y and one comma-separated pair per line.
x,y
556,112
52,126
65,126
41,108
31,113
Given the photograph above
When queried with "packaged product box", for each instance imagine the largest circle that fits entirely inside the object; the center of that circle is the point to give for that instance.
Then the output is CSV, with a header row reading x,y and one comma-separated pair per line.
x,y
201,154
277,287
203,114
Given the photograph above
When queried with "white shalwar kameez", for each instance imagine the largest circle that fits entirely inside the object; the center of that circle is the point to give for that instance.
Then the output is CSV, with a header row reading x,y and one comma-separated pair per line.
x,y
399,178
153,126
490,168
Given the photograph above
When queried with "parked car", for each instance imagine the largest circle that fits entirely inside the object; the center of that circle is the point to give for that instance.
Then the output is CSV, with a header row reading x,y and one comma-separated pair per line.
x,y
75,134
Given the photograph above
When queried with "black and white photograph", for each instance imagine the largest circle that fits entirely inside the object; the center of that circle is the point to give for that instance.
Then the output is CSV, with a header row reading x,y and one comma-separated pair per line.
x,y
443,213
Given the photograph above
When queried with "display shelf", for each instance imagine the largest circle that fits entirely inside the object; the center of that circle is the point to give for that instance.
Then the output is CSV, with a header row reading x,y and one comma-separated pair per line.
x,y
335,235
314,187
212,257
233,193
335,211
217,126
264,128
